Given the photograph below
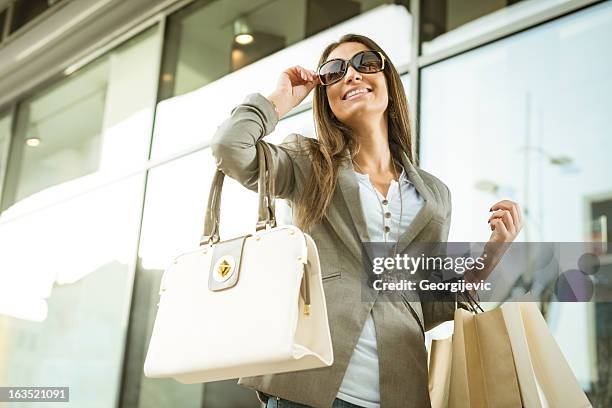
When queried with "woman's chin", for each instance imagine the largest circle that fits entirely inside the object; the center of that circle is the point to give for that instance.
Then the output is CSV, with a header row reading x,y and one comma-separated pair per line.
x,y
362,112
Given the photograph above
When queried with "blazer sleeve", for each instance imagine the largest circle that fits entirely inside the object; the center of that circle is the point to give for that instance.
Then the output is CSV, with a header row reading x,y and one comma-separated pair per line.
x,y
233,146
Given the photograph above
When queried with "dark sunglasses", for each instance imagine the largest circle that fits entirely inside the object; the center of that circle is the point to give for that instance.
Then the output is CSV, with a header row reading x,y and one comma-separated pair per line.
x,y
366,62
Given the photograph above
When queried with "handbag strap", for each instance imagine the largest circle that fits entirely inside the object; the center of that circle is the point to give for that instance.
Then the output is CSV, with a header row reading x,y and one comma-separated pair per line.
x,y
266,190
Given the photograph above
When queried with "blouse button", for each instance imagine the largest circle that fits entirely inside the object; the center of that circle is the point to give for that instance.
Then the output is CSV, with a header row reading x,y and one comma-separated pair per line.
x,y
387,229
385,202
387,215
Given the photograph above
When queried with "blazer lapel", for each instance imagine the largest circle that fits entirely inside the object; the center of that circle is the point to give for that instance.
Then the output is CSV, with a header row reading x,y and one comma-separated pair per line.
x,y
349,185
425,213
346,214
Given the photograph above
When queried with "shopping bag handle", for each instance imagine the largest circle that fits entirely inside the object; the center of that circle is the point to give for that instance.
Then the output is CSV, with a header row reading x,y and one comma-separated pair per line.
x,y
266,190
473,303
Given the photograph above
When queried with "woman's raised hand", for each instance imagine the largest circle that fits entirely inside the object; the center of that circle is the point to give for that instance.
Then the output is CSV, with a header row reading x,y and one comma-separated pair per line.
x,y
293,86
506,221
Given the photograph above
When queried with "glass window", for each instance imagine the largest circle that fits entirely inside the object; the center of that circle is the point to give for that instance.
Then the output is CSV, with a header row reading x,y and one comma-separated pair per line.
x,y
65,288
91,126
210,39
442,16
198,56
25,11
540,137
46,150
445,23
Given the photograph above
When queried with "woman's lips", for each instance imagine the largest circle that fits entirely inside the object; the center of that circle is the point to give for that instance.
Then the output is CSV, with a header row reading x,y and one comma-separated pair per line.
x,y
357,95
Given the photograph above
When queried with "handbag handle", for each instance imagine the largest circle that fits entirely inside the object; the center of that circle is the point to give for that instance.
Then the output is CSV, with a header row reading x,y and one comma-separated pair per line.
x,y
265,187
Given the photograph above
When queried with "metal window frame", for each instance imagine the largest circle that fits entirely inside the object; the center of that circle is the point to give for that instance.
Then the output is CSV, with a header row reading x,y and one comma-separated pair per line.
x,y
124,380
5,150
4,32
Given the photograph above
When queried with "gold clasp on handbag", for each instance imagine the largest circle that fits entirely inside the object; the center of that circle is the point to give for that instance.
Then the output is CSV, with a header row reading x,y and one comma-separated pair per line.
x,y
224,268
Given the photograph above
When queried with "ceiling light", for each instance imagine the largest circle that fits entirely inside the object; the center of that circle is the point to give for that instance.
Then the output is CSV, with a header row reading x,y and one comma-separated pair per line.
x,y
33,141
242,32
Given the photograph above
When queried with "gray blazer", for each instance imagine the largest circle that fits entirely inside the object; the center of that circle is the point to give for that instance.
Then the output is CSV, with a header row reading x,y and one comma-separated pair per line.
x,y
400,326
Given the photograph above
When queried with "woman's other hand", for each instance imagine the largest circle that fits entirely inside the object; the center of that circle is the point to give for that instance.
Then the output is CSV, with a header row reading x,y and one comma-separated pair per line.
x,y
293,86
506,221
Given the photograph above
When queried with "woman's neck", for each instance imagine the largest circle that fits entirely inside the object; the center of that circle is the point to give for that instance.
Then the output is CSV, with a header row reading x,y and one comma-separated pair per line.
x,y
374,155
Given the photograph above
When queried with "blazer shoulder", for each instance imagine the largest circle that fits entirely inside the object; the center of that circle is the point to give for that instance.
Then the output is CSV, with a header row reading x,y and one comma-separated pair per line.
x,y
296,139
431,179
297,146
438,186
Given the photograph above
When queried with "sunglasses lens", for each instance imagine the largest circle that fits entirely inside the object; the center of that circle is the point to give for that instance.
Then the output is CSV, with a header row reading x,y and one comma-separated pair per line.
x,y
331,72
368,62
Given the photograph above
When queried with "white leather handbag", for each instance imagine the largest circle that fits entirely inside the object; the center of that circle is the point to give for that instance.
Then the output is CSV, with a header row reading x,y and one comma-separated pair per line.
x,y
246,306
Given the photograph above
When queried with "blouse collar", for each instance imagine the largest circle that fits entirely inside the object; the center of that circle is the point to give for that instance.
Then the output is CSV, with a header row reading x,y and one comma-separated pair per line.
x,y
403,177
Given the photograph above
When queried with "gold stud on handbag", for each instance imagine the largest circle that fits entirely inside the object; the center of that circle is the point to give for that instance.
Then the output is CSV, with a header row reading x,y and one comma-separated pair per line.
x,y
250,305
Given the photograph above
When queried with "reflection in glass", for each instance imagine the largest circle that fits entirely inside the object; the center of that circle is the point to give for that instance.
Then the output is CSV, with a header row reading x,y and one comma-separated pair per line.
x,y
51,146
90,126
65,284
448,23
540,138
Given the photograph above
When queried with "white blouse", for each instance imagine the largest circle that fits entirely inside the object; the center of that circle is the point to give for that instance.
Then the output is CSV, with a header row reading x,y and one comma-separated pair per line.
x,y
360,385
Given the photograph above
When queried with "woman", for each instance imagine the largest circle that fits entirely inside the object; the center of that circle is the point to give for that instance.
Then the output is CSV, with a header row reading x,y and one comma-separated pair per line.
x,y
358,182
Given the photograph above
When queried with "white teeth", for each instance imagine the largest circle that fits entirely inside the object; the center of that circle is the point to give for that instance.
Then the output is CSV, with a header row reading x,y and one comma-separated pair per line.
x,y
355,92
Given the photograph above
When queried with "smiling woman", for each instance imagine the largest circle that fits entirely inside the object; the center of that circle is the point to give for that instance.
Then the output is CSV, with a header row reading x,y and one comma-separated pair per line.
x,y
362,122
353,63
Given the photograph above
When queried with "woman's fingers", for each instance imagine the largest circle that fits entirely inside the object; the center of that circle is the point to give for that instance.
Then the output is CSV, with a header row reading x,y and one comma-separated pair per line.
x,y
499,227
506,221
514,210
506,218
304,74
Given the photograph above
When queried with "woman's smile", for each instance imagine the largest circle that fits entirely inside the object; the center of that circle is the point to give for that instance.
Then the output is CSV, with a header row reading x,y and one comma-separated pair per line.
x,y
357,95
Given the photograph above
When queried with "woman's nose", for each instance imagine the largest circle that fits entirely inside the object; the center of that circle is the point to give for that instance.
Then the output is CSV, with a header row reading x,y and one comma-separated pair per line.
x,y
351,74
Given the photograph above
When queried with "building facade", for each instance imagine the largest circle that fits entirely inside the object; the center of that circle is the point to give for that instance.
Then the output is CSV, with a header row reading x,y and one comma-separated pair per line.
x,y
107,109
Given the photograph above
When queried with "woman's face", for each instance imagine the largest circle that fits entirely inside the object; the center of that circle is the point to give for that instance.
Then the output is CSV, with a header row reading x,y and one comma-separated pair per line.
x,y
361,107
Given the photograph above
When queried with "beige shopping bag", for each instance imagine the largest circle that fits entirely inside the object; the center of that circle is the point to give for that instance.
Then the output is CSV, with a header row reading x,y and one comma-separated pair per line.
x,y
458,391
439,371
482,370
545,377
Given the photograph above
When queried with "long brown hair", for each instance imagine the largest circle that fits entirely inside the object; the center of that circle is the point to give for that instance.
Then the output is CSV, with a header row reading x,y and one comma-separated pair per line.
x,y
334,138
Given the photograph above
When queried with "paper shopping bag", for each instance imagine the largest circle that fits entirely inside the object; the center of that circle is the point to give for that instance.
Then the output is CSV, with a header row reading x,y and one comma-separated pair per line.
x,y
439,371
545,377
482,371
